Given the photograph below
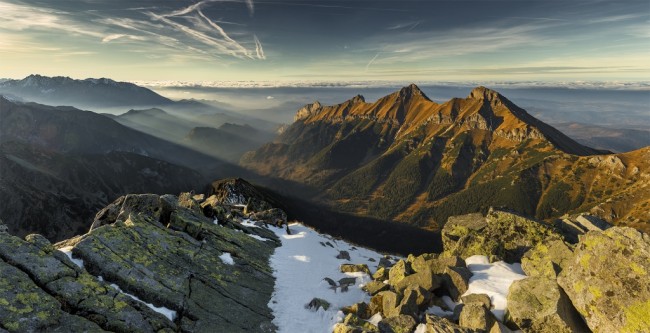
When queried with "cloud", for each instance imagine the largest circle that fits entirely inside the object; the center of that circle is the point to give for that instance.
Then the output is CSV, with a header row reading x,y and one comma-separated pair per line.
x,y
270,97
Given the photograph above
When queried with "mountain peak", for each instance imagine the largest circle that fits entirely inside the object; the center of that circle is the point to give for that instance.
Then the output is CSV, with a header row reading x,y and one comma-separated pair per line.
x,y
483,93
358,99
411,90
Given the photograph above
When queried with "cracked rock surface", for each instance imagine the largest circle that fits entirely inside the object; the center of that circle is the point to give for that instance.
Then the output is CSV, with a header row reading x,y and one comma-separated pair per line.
x,y
150,264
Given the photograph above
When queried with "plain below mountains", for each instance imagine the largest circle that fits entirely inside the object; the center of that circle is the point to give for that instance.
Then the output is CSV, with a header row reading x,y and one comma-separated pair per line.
x,y
409,159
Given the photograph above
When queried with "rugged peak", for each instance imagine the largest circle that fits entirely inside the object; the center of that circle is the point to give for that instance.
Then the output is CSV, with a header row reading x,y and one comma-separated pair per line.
x,y
357,99
484,93
411,91
307,111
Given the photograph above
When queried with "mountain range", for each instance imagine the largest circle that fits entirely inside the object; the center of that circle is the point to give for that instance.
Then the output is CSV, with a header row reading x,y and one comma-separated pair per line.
x,y
409,159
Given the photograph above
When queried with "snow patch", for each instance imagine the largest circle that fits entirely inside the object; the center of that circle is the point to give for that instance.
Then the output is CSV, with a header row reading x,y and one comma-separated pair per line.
x,y
216,221
375,319
300,266
170,314
227,258
249,223
421,328
67,250
258,237
493,279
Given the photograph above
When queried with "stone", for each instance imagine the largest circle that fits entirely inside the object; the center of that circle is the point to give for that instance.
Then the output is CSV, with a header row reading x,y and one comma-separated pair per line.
x,y
354,268
381,274
422,296
397,324
360,309
435,324
475,316
398,272
505,235
385,262
482,299
273,216
374,287
546,259
40,242
389,302
458,227
317,303
456,280
357,322
424,279
499,328
343,255
607,280
343,328
538,304
237,191
592,223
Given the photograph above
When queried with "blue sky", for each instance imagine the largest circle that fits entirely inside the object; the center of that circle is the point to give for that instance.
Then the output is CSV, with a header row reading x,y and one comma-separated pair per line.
x,y
329,40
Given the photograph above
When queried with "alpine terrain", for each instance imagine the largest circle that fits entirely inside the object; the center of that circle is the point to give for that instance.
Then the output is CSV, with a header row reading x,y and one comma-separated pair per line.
x,y
409,159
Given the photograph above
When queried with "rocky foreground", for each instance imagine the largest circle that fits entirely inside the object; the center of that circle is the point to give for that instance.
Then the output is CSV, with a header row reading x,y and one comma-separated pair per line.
x,y
600,284
201,263
149,264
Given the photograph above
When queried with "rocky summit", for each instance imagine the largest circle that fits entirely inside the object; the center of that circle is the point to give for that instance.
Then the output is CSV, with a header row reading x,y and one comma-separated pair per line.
x,y
599,284
149,263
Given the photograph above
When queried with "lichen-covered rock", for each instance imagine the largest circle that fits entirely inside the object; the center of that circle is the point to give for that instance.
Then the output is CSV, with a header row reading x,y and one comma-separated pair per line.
x,y
274,216
142,249
236,191
354,268
374,287
381,274
357,322
399,271
424,279
504,234
436,324
456,280
607,280
482,299
475,316
389,301
538,304
397,324
360,310
546,259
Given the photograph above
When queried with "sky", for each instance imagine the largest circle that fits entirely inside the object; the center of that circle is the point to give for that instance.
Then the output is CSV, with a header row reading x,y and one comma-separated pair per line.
x,y
327,40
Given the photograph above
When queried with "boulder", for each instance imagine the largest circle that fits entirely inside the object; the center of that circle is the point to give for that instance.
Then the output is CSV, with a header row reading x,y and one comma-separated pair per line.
x,y
505,235
389,302
546,259
343,255
381,274
422,296
538,304
458,227
477,317
398,272
424,279
397,324
374,287
436,324
354,321
273,216
407,306
482,299
608,280
317,303
236,191
456,280
360,310
354,268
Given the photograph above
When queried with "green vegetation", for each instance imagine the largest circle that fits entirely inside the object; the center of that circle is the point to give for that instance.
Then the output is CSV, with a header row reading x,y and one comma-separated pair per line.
x,y
557,201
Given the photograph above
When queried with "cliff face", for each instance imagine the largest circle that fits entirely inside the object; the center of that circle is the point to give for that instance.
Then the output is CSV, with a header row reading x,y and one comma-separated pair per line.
x,y
149,264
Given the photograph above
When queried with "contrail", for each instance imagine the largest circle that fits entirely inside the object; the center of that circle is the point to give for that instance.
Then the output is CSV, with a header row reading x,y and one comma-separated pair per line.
x,y
223,33
258,48
372,60
251,7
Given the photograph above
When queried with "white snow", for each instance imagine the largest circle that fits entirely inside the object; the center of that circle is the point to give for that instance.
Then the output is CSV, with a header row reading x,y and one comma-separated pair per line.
x,y
170,314
421,328
375,319
493,279
300,265
249,223
68,252
216,221
227,258
258,237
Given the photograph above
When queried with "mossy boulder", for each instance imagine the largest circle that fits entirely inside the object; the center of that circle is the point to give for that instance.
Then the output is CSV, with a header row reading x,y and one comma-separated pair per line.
x,y
435,324
538,304
397,324
476,316
354,268
546,259
608,280
505,235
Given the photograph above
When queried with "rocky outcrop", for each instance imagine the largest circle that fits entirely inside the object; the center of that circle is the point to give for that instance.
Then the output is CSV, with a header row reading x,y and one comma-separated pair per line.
x,y
573,227
502,234
608,280
538,304
150,264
